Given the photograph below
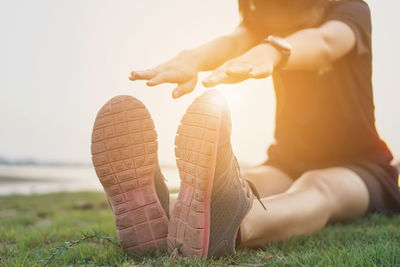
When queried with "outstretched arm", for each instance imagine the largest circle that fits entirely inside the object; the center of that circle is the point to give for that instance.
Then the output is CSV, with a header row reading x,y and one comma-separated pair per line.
x,y
184,68
315,48
214,53
312,49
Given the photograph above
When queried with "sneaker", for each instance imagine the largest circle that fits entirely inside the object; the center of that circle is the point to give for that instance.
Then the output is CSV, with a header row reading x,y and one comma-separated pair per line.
x,y
124,154
213,198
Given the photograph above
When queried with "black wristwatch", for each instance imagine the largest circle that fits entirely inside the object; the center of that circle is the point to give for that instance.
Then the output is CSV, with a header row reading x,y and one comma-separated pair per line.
x,y
283,46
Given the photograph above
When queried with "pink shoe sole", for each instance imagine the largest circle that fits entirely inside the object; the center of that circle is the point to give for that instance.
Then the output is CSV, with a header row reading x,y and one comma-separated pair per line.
x,y
124,154
196,151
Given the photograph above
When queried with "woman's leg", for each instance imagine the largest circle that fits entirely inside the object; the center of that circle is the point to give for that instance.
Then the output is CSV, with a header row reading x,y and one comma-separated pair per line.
x,y
313,200
268,180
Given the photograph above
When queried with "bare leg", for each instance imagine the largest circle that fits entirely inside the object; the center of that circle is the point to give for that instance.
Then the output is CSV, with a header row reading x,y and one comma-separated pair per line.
x,y
268,180
313,200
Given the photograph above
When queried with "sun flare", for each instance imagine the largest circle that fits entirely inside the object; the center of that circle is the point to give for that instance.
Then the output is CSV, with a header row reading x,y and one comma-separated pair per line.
x,y
233,97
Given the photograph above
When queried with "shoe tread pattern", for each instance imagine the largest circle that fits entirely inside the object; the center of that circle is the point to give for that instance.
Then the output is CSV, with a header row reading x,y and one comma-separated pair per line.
x,y
195,150
124,154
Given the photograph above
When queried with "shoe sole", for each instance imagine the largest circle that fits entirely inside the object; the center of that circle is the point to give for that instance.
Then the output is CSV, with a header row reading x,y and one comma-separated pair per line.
x,y
124,154
196,152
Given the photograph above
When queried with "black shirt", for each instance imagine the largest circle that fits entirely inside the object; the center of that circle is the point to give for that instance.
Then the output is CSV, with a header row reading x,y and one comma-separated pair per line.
x,y
326,117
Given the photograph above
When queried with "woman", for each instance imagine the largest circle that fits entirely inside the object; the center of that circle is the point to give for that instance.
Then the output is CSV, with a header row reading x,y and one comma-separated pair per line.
x,y
328,163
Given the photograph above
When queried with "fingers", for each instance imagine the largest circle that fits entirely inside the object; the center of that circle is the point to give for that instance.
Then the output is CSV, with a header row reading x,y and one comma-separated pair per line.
x,y
167,77
239,70
221,77
215,78
262,71
160,78
143,75
184,88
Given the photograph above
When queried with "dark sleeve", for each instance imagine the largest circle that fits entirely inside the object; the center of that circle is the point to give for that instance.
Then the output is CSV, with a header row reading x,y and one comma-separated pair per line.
x,y
356,14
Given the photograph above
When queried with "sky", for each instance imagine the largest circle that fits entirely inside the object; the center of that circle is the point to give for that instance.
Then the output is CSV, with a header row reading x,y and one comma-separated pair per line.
x,y
60,61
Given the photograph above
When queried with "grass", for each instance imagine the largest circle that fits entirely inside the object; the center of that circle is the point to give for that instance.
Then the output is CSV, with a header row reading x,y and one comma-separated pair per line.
x,y
32,226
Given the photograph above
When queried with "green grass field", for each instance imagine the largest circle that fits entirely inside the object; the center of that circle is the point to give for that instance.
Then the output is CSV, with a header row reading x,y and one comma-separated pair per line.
x,y
32,226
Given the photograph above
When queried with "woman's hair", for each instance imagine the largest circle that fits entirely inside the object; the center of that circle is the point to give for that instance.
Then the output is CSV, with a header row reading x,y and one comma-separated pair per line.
x,y
290,4
249,16
287,4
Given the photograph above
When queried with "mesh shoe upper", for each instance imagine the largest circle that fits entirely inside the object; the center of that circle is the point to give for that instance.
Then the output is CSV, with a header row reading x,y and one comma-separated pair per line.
x,y
231,197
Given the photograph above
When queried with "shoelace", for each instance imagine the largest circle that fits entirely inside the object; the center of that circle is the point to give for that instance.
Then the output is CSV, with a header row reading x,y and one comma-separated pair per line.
x,y
251,185
255,192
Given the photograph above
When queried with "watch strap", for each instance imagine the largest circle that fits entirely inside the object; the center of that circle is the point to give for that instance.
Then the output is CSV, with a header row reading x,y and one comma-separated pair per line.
x,y
283,48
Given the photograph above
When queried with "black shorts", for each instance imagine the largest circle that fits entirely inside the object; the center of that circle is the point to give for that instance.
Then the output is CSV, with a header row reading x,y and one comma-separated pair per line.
x,y
380,179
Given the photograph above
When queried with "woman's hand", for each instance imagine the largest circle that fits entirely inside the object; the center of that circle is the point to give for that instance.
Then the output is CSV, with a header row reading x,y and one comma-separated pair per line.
x,y
256,63
182,70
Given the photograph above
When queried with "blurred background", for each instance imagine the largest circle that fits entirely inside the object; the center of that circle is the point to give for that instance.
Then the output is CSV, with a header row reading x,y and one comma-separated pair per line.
x,y
62,60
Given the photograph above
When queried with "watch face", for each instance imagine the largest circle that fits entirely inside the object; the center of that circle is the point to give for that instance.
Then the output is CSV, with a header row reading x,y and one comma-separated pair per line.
x,y
285,45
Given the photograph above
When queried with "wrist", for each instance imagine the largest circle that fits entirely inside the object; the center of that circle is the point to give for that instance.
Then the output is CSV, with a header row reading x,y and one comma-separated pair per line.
x,y
271,53
282,46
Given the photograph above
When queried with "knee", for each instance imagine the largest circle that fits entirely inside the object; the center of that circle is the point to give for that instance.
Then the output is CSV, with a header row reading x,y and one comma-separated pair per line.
x,y
315,179
255,176
251,175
